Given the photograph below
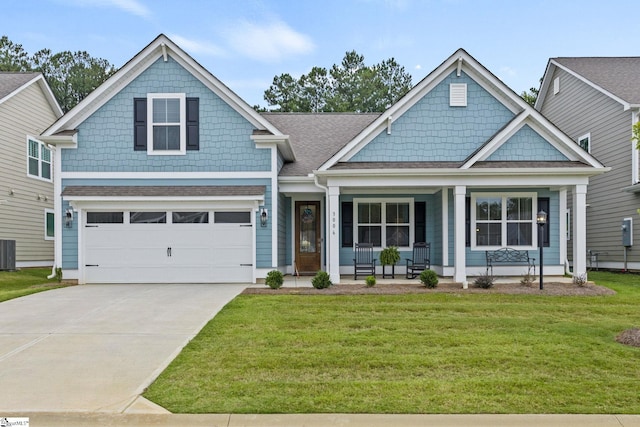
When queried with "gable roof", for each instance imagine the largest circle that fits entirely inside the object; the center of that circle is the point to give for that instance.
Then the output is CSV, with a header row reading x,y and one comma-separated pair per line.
x,y
161,47
315,137
11,83
458,62
616,77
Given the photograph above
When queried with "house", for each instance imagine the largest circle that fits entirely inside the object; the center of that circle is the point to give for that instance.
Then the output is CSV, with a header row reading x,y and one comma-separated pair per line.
x,y
27,108
165,175
596,101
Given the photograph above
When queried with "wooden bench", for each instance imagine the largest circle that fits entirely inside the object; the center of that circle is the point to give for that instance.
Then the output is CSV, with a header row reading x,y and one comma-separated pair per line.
x,y
510,256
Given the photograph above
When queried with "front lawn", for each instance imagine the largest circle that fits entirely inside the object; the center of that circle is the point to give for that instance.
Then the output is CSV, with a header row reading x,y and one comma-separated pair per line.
x,y
420,353
14,284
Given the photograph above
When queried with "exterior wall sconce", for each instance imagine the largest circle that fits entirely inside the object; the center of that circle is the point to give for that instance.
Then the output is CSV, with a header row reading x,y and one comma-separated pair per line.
x,y
68,218
264,216
541,219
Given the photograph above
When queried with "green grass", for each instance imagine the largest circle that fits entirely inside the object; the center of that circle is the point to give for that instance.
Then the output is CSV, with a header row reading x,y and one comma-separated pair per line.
x,y
426,353
14,284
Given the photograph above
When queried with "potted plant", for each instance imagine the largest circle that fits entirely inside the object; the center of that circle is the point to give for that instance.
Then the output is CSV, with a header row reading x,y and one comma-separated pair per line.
x,y
389,256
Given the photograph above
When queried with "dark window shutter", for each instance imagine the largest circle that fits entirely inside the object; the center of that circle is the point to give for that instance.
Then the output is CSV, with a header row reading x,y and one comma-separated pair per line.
x,y
193,123
420,216
467,222
543,205
347,224
140,124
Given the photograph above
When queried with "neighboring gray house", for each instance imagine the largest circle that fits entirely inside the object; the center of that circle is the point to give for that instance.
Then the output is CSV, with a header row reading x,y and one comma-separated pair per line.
x,y
596,101
27,108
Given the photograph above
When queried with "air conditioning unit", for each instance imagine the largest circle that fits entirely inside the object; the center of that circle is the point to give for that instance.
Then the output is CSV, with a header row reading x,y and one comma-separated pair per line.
x,y
7,255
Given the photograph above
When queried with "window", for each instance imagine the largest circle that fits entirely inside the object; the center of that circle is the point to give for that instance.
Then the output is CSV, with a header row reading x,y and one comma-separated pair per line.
x,y
49,224
148,217
242,217
585,142
38,160
504,220
190,217
166,114
384,223
105,217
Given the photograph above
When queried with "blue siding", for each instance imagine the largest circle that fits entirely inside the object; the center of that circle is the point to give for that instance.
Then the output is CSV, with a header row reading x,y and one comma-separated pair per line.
x,y
432,130
69,242
284,233
527,145
105,139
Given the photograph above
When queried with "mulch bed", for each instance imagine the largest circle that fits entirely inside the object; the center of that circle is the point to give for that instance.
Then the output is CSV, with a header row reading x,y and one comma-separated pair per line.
x,y
561,289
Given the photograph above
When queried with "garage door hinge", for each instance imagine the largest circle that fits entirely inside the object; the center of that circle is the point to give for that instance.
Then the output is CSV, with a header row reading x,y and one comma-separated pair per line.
x,y
246,225
91,265
90,226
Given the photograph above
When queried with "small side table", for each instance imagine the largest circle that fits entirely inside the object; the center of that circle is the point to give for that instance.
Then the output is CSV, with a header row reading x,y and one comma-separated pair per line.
x,y
393,272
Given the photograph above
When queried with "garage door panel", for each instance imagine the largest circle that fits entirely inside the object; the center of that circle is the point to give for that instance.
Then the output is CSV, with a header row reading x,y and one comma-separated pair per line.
x,y
168,253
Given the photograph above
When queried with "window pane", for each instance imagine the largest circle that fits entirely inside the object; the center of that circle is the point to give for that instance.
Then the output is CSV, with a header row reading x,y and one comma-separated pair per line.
x,y
46,154
495,209
398,235
519,234
369,213
33,149
46,170
105,217
370,234
50,224
166,137
489,209
148,217
33,167
159,110
190,217
173,137
519,208
232,217
173,110
488,234
397,213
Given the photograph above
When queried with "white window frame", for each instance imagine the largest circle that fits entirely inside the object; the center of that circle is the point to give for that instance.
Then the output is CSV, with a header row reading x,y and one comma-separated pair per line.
x,y
383,217
586,136
48,212
504,221
41,148
183,124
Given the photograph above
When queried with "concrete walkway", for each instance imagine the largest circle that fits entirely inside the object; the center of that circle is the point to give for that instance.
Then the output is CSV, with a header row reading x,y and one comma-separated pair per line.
x,y
95,348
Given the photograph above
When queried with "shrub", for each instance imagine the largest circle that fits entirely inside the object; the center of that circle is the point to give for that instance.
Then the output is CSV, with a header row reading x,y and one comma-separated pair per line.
x,y
527,279
580,280
274,279
59,274
429,278
371,281
321,280
389,256
484,281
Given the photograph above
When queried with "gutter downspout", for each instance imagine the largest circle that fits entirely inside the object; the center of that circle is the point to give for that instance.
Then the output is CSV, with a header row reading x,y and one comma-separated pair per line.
x,y
57,209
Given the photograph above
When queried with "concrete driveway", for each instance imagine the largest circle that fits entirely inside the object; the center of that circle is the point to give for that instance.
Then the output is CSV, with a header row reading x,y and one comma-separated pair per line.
x,y
97,347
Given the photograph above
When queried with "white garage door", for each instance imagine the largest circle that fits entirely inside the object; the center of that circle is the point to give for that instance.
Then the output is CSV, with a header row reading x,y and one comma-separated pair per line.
x,y
168,247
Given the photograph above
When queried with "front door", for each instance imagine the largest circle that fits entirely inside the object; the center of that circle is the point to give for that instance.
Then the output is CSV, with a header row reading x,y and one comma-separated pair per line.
x,y
308,237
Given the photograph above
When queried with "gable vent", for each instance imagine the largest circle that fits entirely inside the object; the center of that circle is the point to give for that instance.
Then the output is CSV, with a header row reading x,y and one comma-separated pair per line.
x,y
458,95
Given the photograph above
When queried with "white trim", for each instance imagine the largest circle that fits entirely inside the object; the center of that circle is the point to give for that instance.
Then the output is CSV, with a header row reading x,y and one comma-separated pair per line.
x,y
635,153
182,99
383,218
445,226
41,145
165,175
32,264
275,195
48,94
504,221
48,211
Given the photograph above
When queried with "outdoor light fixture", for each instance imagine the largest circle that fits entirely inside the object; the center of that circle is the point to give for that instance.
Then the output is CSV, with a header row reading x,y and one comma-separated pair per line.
x,y
68,218
541,219
264,216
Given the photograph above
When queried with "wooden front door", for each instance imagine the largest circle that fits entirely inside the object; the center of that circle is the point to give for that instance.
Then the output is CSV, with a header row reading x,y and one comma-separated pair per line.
x,y
308,241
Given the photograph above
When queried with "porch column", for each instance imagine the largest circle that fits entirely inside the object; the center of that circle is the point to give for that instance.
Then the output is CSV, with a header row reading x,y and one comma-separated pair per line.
x,y
333,234
580,230
562,222
460,268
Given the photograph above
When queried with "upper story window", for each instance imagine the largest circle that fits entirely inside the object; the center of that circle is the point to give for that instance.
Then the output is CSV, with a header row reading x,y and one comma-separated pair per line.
x,y
38,159
166,124
585,142
502,220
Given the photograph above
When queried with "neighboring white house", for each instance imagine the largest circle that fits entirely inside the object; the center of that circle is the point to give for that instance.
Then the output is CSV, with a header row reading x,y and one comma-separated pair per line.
x,y
27,108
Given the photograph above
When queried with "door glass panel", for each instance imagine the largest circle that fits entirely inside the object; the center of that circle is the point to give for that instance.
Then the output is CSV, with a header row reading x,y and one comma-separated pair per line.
x,y
232,217
148,217
308,218
105,218
190,217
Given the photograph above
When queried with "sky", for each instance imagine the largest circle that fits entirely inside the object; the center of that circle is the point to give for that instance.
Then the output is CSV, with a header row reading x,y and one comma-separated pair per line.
x,y
246,43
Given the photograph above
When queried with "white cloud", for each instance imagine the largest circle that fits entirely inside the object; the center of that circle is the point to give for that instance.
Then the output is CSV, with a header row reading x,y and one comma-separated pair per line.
x,y
197,46
507,71
418,67
130,6
269,42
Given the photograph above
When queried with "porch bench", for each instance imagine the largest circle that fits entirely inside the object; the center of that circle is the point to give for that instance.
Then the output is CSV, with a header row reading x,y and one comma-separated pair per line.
x,y
510,256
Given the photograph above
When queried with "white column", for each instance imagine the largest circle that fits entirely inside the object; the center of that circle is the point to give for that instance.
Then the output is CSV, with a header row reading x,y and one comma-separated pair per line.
x,y
445,228
580,230
333,234
562,222
460,268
